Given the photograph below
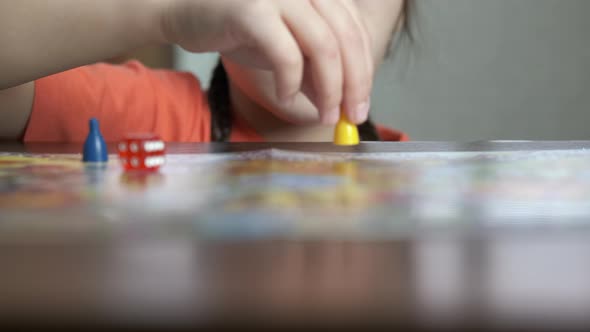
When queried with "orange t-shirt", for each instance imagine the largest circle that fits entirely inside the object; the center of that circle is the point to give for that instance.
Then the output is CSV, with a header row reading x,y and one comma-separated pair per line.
x,y
129,98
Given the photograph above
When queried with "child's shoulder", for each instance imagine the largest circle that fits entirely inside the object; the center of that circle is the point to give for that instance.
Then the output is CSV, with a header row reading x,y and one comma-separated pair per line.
x,y
391,135
125,98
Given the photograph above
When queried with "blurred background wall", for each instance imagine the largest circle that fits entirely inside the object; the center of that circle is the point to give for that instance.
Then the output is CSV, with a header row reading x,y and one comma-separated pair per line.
x,y
482,69
492,69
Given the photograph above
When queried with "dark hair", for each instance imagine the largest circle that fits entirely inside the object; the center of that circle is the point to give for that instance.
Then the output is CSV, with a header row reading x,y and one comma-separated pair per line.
x,y
407,12
220,104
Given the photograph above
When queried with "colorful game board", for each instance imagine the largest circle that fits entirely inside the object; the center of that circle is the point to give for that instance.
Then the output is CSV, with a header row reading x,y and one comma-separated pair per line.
x,y
284,194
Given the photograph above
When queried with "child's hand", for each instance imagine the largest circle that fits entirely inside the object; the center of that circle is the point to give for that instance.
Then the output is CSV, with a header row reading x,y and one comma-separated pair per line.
x,y
322,42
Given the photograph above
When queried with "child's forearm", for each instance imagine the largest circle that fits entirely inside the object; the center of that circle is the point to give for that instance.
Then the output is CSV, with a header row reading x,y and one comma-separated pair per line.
x,y
39,38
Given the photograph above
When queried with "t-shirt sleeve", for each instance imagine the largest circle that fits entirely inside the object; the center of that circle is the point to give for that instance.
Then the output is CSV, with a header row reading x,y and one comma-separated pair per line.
x,y
125,99
391,135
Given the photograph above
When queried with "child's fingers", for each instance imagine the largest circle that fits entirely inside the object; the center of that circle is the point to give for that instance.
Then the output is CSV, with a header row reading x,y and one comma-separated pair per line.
x,y
353,9
357,65
321,48
266,32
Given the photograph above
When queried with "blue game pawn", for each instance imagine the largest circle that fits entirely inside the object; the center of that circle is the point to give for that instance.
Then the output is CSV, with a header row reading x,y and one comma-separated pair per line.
x,y
95,148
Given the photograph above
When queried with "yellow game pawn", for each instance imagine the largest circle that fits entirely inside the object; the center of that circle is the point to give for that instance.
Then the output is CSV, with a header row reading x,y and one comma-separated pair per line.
x,y
346,133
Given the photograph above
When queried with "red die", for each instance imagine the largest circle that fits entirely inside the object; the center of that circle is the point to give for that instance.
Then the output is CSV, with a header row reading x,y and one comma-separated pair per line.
x,y
142,152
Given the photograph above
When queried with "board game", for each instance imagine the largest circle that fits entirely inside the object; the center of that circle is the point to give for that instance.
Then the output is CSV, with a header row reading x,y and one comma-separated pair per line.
x,y
285,194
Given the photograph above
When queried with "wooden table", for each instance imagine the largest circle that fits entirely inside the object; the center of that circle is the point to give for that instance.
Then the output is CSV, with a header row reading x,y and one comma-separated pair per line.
x,y
532,279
